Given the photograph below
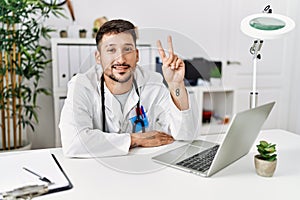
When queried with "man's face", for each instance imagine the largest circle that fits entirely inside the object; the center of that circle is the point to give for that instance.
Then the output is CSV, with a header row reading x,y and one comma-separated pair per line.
x,y
118,56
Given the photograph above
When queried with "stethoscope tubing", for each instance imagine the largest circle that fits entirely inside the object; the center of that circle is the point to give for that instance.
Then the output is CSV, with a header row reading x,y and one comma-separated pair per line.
x,y
138,120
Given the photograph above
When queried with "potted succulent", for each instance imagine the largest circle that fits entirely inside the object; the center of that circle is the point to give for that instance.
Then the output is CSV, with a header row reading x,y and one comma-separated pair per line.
x,y
266,160
63,34
82,33
94,34
22,63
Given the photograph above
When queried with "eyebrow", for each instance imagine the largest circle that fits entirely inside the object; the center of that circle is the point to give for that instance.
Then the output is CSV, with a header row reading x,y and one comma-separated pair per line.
x,y
126,44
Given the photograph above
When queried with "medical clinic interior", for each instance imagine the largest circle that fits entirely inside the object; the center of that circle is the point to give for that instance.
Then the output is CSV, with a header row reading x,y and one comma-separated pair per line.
x,y
239,57
203,32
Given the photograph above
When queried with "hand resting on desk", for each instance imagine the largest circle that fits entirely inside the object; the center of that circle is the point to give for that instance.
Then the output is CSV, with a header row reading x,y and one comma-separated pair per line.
x,y
150,139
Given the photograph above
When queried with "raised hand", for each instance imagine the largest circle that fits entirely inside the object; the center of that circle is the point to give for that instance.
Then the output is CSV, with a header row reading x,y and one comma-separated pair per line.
x,y
173,70
173,67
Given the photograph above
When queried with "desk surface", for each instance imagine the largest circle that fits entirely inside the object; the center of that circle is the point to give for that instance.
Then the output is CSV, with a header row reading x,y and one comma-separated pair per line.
x,y
137,177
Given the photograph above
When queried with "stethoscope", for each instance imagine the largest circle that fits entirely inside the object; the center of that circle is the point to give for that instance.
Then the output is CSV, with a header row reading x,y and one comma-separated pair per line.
x,y
138,120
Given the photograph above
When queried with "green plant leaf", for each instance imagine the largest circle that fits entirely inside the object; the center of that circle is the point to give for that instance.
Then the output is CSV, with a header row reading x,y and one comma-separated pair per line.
x,y
28,17
273,157
263,143
266,150
270,149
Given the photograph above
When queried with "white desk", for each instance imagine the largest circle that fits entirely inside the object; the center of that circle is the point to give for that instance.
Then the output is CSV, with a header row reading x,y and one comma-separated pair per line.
x,y
93,179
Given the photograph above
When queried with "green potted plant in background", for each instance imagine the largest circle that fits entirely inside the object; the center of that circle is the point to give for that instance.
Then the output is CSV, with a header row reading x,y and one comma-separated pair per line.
x,y
266,160
82,33
22,63
95,30
63,34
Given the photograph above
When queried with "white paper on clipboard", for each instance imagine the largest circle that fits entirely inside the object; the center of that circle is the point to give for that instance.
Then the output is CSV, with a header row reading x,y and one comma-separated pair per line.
x,y
41,162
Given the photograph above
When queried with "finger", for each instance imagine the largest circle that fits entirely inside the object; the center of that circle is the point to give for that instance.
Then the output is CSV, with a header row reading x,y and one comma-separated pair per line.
x,y
160,50
170,63
167,137
163,134
172,56
170,45
165,140
169,140
178,63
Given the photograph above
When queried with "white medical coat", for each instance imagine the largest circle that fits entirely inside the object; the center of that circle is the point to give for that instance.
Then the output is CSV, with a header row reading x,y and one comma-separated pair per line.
x,y
80,125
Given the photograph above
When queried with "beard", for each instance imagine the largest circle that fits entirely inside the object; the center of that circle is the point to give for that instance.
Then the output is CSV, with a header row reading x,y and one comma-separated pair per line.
x,y
120,77
120,80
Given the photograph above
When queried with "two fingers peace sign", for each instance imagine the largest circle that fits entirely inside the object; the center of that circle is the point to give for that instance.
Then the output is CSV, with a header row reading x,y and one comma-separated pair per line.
x,y
173,66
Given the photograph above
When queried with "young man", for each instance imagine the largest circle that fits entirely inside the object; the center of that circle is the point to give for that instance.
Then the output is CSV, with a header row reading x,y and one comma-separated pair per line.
x,y
117,105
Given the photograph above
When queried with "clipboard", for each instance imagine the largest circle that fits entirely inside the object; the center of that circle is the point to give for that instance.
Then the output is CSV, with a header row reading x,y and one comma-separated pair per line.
x,y
68,186
16,180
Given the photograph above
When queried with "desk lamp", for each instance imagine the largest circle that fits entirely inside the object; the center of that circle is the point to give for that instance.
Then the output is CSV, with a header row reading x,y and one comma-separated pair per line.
x,y
263,26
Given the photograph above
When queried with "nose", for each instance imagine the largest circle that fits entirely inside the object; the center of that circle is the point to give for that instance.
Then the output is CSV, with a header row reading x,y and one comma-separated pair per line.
x,y
121,58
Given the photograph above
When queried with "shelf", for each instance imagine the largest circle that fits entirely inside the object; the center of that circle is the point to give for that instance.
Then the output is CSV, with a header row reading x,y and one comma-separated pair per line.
x,y
74,41
210,88
219,101
211,128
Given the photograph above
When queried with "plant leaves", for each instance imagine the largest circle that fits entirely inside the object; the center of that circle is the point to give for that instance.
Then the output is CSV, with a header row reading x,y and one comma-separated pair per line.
x,y
29,17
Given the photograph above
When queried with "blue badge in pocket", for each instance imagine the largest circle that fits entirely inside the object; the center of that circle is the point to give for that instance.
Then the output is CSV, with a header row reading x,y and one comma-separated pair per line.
x,y
139,120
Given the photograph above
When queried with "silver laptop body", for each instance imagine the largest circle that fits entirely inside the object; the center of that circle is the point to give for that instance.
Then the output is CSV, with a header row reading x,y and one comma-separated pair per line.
x,y
239,138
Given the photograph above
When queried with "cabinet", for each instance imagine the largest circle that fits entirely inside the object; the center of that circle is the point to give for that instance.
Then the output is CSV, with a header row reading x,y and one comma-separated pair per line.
x,y
215,106
71,56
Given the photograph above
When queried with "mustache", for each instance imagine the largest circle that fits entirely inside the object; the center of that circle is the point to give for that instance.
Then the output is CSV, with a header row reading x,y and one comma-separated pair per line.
x,y
115,65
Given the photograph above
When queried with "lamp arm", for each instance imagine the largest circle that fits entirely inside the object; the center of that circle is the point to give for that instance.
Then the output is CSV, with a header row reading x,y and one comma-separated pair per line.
x,y
254,50
256,47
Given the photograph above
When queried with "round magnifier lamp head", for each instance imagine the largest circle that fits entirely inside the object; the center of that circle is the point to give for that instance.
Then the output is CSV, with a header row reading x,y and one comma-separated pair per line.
x,y
266,25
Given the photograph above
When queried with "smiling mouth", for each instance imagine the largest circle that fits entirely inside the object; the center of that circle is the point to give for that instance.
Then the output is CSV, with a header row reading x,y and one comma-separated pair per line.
x,y
120,68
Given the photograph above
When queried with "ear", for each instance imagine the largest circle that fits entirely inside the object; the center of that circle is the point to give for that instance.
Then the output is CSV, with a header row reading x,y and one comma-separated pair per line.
x,y
137,55
98,57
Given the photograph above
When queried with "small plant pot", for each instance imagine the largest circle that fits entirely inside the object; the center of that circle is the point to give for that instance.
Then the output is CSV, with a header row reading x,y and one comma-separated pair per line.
x,y
263,167
82,34
63,34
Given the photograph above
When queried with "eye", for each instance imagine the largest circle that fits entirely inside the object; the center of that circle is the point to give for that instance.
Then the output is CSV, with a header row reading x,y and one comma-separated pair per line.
x,y
128,49
111,50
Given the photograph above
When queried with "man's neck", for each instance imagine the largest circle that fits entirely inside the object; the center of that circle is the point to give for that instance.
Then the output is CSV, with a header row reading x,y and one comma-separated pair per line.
x,y
116,87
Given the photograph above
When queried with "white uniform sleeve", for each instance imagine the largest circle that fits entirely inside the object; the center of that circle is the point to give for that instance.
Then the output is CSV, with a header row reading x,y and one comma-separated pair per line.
x,y
184,124
80,137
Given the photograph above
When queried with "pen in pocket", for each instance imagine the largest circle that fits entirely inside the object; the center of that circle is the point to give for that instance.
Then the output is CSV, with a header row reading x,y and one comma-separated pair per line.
x,y
143,111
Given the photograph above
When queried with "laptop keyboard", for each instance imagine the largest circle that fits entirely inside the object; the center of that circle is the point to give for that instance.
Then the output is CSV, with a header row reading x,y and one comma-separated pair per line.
x,y
201,161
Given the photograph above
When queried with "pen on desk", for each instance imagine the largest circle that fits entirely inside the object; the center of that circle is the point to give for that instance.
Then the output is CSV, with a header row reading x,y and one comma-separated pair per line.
x,y
40,177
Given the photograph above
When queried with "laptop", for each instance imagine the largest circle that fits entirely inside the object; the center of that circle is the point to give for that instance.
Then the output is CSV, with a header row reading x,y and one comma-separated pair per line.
x,y
206,158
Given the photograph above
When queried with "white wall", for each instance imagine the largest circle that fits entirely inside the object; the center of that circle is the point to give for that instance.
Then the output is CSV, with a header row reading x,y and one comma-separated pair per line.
x,y
294,57
188,21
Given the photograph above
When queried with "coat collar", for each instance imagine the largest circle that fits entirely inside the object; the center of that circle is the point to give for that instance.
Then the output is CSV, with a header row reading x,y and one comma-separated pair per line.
x,y
141,77
112,105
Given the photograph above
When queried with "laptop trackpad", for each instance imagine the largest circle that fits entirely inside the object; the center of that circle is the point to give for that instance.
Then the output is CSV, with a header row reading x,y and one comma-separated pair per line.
x,y
181,153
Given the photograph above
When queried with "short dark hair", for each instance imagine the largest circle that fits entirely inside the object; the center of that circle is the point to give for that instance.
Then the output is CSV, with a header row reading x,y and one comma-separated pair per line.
x,y
116,26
